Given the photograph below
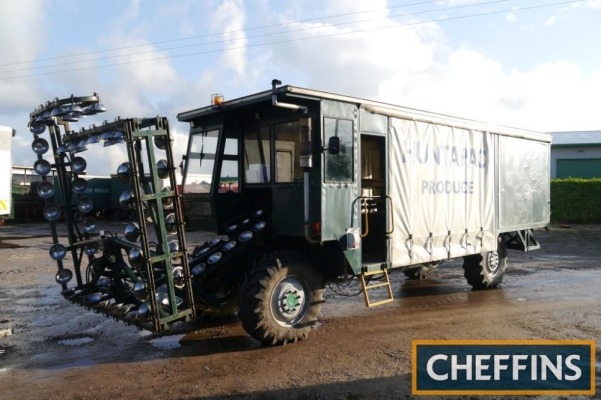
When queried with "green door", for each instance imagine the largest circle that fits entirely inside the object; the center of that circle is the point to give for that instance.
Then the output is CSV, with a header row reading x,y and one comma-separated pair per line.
x,y
579,168
340,206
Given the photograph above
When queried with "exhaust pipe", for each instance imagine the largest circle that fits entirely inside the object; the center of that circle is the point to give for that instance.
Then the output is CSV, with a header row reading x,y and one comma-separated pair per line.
x,y
276,103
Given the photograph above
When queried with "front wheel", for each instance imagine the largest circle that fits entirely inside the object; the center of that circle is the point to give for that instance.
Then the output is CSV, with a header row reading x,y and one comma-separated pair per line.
x,y
281,299
486,270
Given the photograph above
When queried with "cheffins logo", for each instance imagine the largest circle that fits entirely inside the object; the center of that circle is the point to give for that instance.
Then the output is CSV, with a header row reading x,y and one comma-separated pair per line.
x,y
503,367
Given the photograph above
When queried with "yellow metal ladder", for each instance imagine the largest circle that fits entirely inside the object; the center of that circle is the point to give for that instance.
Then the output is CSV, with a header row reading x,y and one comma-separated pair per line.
x,y
367,287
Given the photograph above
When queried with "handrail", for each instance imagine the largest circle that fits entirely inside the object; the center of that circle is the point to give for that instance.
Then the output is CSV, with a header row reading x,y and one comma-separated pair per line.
x,y
363,203
366,218
391,215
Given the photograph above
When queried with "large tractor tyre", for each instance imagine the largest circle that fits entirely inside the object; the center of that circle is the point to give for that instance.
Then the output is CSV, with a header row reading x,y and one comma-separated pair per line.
x,y
486,270
281,299
422,271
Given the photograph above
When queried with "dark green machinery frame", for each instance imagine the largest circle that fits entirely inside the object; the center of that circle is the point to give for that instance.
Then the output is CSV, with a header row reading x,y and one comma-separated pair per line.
x,y
153,289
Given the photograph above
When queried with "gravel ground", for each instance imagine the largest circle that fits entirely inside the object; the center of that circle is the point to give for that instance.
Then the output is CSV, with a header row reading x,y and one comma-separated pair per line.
x,y
52,349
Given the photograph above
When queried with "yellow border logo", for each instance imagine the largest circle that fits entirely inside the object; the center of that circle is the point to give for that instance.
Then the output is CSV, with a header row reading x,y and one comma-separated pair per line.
x,y
510,347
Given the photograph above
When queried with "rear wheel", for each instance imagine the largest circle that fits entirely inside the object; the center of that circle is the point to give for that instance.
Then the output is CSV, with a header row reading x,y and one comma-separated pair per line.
x,y
281,299
486,270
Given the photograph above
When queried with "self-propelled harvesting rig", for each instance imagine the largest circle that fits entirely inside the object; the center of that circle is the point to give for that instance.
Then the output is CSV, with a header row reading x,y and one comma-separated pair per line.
x,y
303,187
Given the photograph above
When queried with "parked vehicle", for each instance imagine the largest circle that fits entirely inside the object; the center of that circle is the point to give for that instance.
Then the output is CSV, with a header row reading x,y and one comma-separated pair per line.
x,y
6,138
303,187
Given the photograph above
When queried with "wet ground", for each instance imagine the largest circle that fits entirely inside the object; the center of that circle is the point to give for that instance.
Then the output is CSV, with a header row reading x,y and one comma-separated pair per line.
x,y
50,348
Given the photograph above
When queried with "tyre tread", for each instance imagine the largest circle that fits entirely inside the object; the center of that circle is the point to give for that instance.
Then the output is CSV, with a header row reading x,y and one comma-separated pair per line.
x,y
255,298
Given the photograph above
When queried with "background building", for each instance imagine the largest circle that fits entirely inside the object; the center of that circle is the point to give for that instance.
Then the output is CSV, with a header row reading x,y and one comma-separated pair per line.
x,y
576,154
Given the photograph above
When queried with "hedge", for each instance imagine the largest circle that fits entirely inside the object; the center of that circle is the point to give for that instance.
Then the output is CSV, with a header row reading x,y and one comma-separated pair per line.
x,y
576,200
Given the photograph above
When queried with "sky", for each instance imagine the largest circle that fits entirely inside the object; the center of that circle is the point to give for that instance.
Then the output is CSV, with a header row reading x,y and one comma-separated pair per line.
x,y
532,64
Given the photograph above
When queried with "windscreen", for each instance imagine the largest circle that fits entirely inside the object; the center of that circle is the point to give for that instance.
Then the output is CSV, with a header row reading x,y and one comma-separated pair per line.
x,y
200,162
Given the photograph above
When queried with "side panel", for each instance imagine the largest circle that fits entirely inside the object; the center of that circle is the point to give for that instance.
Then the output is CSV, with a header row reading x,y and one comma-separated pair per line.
x,y
442,189
524,184
288,218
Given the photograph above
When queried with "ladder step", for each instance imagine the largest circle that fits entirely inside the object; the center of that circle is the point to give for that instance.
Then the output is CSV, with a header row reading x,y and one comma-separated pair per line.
x,y
380,302
376,272
365,286
377,285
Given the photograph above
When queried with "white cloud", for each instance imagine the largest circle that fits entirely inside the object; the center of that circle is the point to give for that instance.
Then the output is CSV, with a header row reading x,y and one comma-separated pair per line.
x,y
463,84
335,58
418,66
229,18
22,27
557,97
594,4
550,21
553,96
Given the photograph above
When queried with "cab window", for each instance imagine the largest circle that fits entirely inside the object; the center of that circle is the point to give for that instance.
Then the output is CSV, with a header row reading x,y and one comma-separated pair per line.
x,y
287,152
339,167
228,178
257,155
200,162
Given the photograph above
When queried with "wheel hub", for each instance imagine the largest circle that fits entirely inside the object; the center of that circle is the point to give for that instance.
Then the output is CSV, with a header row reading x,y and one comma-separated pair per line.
x,y
492,262
291,301
288,301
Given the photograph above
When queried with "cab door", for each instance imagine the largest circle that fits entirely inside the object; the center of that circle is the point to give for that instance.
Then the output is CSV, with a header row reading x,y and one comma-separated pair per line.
x,y
339,186
198,178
